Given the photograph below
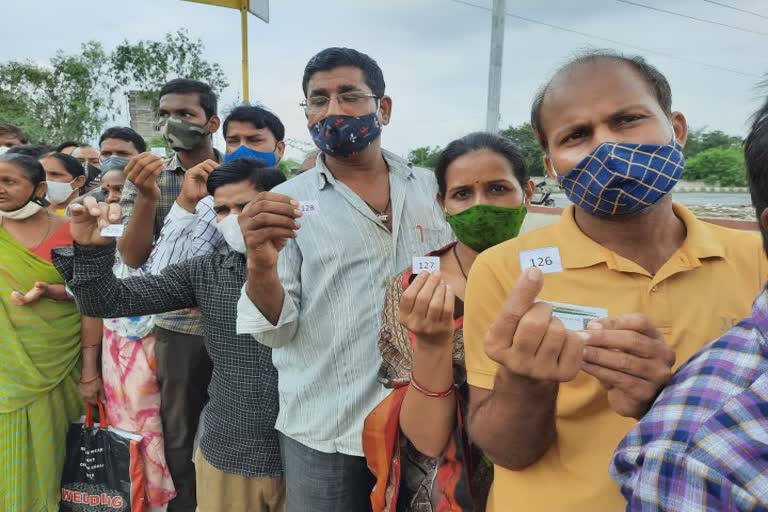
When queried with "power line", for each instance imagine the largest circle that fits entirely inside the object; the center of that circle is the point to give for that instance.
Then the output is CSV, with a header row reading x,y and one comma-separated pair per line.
x,y
613,41
734,27
736,8
301,145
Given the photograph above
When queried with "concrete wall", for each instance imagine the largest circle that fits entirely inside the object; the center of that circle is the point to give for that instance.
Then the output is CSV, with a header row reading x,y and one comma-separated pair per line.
x,y
142,114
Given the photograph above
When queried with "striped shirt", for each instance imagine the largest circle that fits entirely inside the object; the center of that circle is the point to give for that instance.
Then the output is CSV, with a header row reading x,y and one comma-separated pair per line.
x,y
335,274
170,182
186,235
704,443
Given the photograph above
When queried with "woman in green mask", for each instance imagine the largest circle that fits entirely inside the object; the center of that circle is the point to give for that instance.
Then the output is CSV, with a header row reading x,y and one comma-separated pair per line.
x,y
415,440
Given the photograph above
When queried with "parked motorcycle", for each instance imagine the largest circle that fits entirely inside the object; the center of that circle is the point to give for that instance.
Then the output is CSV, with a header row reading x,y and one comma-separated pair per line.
x,y
541,196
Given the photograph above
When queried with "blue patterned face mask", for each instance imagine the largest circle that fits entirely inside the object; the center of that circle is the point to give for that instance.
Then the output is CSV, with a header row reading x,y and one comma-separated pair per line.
x,y
245,152
344,136
620,178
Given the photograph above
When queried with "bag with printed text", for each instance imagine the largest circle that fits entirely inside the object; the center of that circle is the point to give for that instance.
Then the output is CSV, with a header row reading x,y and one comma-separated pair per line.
x,y
103,471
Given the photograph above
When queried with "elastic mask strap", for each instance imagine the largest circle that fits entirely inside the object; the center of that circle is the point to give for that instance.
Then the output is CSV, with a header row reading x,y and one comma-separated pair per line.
x,y
674,135
42,201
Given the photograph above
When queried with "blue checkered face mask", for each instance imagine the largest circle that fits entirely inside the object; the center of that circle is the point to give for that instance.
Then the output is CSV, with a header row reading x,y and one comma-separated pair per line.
x,y
620,178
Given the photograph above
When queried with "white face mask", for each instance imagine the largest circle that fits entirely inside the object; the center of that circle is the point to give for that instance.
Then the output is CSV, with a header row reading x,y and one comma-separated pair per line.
x,y
230,230
22,213
58,192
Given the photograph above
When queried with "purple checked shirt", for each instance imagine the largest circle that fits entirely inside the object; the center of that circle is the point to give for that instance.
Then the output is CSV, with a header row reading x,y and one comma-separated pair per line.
x,y
704,443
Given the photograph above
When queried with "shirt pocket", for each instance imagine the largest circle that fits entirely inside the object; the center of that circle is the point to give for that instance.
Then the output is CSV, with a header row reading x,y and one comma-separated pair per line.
x,y
424,238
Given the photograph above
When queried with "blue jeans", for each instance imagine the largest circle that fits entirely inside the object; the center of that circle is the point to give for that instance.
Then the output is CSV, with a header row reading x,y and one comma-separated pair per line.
x,y
328,482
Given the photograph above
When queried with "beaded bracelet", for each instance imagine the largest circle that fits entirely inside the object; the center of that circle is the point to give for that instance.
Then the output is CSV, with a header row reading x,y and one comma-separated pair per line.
x,y
432,394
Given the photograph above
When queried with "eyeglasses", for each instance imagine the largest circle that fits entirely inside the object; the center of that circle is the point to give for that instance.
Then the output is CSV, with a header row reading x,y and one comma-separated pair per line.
x,y
351,101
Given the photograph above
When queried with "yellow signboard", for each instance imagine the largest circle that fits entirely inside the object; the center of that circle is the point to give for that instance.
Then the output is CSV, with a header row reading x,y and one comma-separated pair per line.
x,y
259,8
232,4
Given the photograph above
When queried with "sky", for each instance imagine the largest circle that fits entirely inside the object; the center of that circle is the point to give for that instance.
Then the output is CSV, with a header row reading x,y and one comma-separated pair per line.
x,y
434,53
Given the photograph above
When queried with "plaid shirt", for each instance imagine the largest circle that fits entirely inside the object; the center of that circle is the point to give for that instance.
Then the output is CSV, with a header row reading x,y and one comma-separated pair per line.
x,y
704,443
169,182
238,434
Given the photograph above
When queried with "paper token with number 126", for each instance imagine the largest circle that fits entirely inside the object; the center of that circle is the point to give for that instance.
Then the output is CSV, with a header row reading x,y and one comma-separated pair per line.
x,y
546,259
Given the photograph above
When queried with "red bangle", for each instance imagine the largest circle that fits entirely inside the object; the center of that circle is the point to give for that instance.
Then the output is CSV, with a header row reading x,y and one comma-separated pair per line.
x,y
431,394
95,345
89,381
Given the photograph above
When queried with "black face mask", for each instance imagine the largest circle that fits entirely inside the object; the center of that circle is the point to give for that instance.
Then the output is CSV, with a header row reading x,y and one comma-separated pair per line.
x,y
92,175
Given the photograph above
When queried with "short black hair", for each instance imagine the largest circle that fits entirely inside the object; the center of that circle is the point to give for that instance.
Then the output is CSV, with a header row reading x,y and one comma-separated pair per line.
x,y
30,166
71,164
477,141
258,117
126,134
207,97
657,82
67,144
332,58
255,171
10,129
756,159
35,151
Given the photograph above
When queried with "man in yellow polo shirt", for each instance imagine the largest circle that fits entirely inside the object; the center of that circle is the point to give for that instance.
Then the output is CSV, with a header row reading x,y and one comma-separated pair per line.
x,y
572,330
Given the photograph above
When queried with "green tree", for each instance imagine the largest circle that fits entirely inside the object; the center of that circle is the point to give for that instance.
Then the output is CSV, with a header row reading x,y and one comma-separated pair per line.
x,y
523,137
66,99
288,167
72,97
13,109
700,140
424,156
147,65
719,165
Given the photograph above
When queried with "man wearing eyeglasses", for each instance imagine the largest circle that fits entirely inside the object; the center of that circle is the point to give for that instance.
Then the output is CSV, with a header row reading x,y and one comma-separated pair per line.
x,y
341,230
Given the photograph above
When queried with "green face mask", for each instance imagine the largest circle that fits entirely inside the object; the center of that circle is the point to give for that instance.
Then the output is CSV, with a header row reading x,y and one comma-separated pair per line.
x,y
484,225
182,135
